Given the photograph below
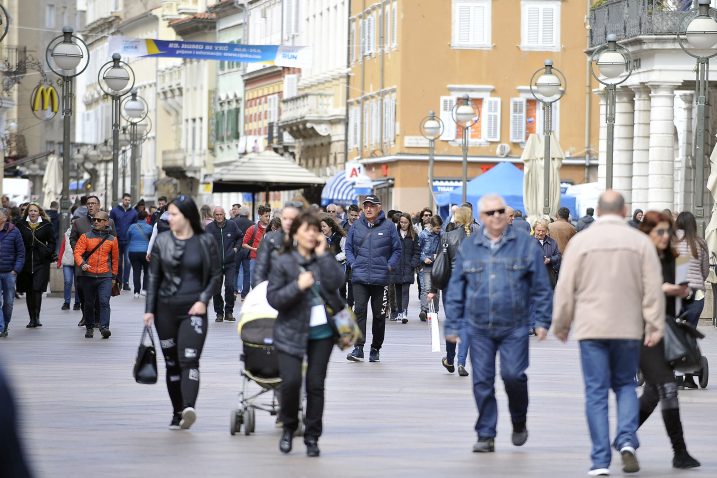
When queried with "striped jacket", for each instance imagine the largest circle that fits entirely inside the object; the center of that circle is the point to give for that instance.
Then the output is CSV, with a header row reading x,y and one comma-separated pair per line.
x,y
698,267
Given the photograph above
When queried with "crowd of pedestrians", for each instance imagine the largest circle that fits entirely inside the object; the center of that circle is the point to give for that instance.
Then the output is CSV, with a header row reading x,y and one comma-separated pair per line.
x,y
509,279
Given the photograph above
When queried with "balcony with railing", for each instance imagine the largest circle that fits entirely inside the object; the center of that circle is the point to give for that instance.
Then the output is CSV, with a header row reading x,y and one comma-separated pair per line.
x,y
309,115
174,160
633,18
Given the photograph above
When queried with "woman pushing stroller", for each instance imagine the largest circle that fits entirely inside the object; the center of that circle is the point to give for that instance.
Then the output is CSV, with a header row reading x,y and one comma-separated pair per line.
x,y
303,278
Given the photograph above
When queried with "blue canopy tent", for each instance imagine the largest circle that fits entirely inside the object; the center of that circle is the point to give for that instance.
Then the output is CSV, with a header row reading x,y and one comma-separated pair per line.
x,y
504,179
340,191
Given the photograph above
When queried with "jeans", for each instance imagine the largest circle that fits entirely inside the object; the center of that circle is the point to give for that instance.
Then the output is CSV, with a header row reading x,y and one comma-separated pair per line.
x,y
512,344
7,297
694,310
610,364
317,356
124,264
243,276
96,289
426,288
68,273
402,291
462,344
139,267
229,272
378,294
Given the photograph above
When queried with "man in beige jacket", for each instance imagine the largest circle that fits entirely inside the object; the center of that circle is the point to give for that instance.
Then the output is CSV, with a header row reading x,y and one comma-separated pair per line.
x,y
610,286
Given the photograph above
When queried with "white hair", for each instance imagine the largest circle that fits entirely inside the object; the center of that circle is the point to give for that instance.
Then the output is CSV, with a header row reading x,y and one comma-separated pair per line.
x,y
490,197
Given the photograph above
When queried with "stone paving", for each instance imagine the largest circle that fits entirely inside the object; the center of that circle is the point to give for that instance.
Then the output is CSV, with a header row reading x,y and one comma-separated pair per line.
x,y
83,415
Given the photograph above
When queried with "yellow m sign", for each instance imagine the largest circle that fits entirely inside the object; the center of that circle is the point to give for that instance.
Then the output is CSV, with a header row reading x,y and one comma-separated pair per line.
x,y
45,98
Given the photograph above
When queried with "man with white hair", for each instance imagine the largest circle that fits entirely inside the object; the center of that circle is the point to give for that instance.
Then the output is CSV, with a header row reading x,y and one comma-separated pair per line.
x,y
228,238
499,285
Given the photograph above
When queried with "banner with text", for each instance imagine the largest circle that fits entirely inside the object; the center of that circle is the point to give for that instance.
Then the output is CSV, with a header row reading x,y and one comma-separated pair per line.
x,y
279,55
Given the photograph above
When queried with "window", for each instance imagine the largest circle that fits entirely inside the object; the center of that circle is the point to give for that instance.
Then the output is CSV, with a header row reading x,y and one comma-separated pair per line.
x,y
526,118
219,126
354,126
389,118
375,121
290,86
394,30
49,16
291,18
492,119
449,126
540,25
362,39
517,120
366,122
471,24
352,41
387,26
369,35
272,108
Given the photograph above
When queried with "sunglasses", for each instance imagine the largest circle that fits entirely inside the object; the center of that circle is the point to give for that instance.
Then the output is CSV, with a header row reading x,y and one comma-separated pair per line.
x,y
331,210
500,212
662,232
95,219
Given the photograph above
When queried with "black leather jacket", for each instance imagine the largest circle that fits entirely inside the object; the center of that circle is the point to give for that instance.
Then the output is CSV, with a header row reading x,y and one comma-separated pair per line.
x,y
272,242
164,276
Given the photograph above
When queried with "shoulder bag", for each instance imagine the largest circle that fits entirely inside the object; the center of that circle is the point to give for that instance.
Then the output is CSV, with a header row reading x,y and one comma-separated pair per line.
x,y
145,365
681,350
441,271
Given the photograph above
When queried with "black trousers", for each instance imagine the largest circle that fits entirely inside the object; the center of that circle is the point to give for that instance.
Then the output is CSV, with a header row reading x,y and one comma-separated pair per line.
x,y
139,270
346,290
402,296
317,356
229,272
181,337
34,304
378,294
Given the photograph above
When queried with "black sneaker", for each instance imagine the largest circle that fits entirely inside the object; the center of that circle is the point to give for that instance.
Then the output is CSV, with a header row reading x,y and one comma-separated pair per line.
x,y
374,355
448,366
126,286
3,332
356,354
174,424
484,445
76,306
81,323
520,435
89,333
65,306
229,317
462,371
423,316
220,318
105,331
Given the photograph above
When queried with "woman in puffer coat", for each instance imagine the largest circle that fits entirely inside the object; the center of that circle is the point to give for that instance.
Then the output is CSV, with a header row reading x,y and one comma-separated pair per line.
x,y
428,241
302,278
403,276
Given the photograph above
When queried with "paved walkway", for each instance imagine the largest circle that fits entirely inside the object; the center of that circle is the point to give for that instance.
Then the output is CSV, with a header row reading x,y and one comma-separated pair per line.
x,y
84,416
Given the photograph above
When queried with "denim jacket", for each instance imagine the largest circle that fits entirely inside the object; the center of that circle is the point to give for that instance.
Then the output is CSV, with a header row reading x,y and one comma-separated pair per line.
x,y
498,286
428,243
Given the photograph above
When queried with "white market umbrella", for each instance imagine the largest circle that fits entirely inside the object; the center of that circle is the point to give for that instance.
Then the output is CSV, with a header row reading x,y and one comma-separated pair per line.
x,y
711,230
533,183
52,180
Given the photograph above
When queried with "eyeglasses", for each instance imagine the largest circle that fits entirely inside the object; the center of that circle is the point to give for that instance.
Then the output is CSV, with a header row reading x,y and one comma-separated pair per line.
x,y
331,210
97,219
662,232
500,212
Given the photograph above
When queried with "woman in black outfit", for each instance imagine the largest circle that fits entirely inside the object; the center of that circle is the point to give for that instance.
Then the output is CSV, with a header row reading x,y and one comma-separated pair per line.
x,y
404,275
39,239
302,278
184,274
660,385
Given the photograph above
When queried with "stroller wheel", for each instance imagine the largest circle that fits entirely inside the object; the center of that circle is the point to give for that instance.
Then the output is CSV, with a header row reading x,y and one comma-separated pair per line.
x,y
235,420
250,421
704,374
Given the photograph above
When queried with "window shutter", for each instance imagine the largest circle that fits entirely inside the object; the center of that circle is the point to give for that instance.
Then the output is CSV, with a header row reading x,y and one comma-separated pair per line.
x,y
370,35
352,41
463,25
219,127
387,25
376,124
366,122
532,15
517,120
547,25
362,34
492,123
449,126
290,86
235,114
394,30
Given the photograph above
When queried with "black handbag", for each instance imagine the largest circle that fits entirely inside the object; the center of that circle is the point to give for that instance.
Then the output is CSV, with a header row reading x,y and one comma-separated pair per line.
x,y
441,271
145,366
681,350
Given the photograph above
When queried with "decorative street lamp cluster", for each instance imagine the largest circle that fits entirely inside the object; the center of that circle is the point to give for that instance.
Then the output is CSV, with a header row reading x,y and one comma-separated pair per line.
x,y
134,110
431,129
466,117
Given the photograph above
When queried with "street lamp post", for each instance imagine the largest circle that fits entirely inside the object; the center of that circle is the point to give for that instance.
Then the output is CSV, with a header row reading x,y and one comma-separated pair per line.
x,y
465,116
701,35
134,111
431,129
67,56
547,88
612,61
116,79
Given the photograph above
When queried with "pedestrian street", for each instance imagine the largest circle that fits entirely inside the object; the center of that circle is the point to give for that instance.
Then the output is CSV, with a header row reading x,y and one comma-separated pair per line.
x,y
82,415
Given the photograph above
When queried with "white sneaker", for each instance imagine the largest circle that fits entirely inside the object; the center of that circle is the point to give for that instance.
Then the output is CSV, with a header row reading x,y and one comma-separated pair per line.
x,y
143,293
189,416
599,472
136,295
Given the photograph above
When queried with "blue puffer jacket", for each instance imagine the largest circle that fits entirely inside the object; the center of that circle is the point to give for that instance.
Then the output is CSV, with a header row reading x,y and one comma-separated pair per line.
x,y
123,219
428,242
12,249
373,252
138,237
498,287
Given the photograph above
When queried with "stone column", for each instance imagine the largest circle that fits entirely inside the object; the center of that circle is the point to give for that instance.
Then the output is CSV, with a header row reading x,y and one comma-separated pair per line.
x,y
661,179
602,140
684,163
624,130
640,147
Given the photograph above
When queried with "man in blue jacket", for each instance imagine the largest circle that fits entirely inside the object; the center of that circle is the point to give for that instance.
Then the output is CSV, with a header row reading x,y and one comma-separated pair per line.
x,y
498,282
124,215
373,250
12,259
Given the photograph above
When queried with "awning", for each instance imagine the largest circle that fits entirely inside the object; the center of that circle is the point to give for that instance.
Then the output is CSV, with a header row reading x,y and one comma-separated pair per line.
x,y
340,191
265,171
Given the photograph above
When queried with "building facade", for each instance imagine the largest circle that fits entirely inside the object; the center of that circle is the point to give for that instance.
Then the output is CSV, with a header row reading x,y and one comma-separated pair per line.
x,y
408,58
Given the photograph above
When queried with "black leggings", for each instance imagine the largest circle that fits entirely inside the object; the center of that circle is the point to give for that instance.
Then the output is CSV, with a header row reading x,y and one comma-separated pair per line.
x,y
317,353
182,339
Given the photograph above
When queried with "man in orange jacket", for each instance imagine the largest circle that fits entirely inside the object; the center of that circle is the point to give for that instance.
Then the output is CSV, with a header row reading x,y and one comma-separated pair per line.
x,y
97,254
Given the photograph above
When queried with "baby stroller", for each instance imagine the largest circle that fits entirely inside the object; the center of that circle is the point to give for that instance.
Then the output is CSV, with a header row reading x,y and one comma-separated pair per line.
x,y
261,366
